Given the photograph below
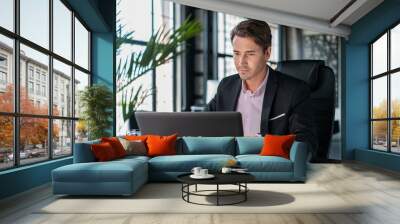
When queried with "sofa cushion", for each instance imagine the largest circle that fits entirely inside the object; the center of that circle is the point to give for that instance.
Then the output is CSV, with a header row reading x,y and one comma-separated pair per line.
x,y
249,145
208,145
257,163
185,163
277,145
161,145
135,147
112,171
116,145
103,152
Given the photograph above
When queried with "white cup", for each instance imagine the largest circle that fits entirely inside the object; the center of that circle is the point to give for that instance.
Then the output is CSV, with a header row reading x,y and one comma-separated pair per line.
x,y
203,172
226,170
196,170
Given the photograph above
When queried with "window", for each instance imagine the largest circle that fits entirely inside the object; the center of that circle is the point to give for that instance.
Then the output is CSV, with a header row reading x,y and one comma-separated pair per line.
x,y
53,126
30,72
38,89
81,45
43,90
7,14
385,94
3,61
81,81
6,71
34,22
62,29
37,74
30,87
153,14
3,72
63,74
3,78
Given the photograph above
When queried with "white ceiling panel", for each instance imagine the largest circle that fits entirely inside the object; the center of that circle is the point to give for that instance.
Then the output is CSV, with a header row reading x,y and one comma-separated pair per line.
x,y
326,16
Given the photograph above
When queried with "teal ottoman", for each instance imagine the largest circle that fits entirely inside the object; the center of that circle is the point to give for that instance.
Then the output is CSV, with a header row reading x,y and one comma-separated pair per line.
x,y
118,177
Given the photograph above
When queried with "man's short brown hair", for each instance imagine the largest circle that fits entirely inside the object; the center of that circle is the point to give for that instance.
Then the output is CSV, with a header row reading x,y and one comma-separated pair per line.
x,y
258,30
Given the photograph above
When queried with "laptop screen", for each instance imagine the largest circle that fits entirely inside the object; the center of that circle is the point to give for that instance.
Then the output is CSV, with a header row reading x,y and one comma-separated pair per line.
x,y
208,124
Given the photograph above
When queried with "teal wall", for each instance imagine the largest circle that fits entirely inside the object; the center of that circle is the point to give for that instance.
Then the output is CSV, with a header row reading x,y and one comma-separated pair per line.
x,y
24,178
99,15
102,62
356,84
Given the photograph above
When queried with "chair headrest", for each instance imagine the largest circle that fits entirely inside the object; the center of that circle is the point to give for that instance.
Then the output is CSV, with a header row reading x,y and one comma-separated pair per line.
x,y
306,70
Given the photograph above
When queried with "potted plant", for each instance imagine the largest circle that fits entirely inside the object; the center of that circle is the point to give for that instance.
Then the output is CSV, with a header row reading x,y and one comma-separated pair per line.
x,y
96,102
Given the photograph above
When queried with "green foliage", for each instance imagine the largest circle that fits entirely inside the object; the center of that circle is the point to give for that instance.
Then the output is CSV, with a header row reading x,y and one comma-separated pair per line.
x,y
136,98
96,102
161,47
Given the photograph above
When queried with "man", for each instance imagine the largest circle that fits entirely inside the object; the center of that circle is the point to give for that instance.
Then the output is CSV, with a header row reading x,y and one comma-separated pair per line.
x,y
269,101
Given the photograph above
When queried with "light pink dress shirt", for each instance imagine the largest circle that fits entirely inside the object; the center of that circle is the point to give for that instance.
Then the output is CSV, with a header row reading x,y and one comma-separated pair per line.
x,y
250,106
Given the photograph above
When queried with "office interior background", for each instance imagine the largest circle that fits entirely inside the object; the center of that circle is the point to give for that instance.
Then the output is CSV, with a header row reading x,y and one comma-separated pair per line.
x,y
47,58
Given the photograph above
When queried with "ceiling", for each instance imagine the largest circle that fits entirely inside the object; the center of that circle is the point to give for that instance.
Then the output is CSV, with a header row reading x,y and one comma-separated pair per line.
x,y
326,16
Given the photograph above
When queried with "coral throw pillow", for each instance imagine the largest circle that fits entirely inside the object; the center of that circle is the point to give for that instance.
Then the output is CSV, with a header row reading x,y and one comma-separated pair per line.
x,y
116,145
277,145
136,137
161,145
103,151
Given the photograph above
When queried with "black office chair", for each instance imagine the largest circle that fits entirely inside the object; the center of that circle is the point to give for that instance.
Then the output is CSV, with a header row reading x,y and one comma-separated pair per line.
x,y
321,80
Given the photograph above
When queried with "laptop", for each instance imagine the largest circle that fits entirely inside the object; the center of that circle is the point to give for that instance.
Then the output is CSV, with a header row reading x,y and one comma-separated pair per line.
x,y
208,124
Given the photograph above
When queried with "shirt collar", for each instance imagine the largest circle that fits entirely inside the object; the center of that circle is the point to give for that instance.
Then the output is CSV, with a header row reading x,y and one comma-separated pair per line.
x,y
260,89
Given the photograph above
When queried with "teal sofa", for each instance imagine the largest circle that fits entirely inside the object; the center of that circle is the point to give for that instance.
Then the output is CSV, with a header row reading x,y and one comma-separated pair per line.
x,y
125,176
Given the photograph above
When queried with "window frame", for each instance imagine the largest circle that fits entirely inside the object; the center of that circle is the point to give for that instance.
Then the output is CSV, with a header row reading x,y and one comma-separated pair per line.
x,y
388,74
16,115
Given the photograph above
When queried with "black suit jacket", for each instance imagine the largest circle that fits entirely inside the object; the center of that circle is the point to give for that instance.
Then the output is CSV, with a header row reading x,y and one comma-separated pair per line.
x,y
283,95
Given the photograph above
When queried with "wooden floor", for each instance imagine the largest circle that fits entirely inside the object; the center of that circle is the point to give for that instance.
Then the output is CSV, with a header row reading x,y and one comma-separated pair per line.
x,y
378,189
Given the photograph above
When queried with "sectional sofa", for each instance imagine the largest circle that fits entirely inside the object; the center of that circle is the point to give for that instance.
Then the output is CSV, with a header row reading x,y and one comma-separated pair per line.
x,y
125,176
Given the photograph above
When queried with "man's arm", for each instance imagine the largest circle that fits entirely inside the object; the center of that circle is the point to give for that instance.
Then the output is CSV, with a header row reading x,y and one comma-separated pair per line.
x,y
301,122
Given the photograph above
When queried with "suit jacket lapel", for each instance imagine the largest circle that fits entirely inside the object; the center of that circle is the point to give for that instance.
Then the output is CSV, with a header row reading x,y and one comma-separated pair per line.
x,y
236,93
269,95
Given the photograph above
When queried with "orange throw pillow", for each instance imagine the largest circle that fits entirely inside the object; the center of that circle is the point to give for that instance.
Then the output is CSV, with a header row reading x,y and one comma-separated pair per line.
x,y
103,151
277,145
136,138
116,145
161,145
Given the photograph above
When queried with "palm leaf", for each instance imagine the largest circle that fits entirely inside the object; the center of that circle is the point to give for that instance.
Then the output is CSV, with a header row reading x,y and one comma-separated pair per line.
x,y
159,49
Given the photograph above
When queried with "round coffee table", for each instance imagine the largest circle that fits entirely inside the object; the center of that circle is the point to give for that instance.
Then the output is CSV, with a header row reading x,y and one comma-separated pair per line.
x,y
238,179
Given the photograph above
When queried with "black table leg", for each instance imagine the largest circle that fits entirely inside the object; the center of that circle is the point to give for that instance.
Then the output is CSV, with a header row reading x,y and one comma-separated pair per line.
x,y
217,194
245,193
188,190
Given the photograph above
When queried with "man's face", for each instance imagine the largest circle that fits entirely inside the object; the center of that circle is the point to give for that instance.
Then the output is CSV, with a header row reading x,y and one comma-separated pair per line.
x,y
250,59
